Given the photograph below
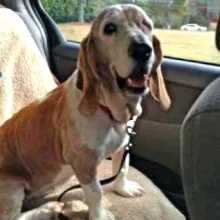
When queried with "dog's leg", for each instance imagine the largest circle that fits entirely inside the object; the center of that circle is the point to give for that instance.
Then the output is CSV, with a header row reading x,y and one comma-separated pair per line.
x,y
85,168
122,185
11,199
93,196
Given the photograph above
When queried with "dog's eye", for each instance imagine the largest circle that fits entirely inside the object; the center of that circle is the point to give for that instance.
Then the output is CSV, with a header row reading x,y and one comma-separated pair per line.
x,y
146,24
110,28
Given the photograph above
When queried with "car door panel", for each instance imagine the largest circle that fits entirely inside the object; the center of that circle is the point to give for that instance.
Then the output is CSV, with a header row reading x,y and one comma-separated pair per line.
x,y
189,73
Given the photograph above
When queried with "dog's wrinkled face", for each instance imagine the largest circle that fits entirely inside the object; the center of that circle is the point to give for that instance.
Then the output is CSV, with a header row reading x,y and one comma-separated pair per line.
x,y
125,39
118,58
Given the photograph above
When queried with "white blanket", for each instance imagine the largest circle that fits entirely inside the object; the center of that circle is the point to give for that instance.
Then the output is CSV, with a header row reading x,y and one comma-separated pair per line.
x,y
25,73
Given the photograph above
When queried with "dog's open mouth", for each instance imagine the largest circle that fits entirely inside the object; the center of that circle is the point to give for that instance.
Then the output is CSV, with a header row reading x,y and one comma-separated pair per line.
x,y
136,83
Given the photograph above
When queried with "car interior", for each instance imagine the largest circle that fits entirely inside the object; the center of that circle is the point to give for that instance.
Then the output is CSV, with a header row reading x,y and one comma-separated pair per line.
x,y
178,149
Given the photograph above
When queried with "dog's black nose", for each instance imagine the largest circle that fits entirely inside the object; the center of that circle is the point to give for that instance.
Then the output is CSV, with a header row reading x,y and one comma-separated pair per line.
x,y
139,50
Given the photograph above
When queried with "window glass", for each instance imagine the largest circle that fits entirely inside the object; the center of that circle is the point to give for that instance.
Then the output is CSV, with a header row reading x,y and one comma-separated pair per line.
x,y
186,28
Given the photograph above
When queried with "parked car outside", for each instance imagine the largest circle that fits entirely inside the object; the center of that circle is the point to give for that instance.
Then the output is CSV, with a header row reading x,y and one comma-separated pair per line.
x,y
193,27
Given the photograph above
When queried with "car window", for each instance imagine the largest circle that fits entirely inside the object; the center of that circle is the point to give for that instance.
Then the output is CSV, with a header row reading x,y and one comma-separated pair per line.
x,y
170,17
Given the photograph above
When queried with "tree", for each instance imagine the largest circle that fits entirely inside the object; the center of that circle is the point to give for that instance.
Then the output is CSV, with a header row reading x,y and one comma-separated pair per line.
x,y
68,6
47,4
60,10
178,12
81,5
201,11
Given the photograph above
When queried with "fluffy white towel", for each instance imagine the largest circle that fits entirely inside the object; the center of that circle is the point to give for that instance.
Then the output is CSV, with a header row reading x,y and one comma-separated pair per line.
x,y
25,72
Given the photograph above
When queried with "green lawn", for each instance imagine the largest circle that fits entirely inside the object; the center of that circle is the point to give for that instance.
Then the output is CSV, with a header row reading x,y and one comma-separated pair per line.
x,y
183,44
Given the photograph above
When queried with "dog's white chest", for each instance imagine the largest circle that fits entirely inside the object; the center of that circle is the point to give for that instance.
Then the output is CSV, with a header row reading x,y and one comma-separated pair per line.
x,y
101,134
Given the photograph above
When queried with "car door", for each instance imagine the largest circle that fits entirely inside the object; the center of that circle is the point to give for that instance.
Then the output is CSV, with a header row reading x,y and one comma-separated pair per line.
x,y
194,27
190,63
190,27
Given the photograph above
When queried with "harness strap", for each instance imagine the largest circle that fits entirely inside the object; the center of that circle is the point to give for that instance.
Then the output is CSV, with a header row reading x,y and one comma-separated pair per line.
x,y
102,182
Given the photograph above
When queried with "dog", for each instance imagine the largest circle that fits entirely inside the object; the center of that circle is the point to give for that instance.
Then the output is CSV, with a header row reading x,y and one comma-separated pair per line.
x,y
84,120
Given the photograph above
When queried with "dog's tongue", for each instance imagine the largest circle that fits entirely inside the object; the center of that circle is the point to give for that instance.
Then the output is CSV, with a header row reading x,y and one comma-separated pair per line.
x,y
139,82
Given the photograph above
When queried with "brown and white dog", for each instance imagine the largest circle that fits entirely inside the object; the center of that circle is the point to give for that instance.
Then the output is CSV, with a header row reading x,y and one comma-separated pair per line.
x,y
84,120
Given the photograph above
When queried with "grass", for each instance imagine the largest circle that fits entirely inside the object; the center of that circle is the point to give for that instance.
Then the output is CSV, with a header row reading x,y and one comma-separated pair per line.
x,y
191,45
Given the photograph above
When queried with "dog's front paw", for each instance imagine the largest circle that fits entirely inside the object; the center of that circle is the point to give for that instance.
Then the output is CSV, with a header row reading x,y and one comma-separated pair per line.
x,y
104,215
50,211
128,188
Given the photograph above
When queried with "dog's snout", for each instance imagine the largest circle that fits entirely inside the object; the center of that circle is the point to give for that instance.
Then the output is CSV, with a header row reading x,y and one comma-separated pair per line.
x,y
140,51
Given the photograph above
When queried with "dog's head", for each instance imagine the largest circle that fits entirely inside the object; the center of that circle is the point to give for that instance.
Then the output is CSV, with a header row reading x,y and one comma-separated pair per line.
x,y
120,58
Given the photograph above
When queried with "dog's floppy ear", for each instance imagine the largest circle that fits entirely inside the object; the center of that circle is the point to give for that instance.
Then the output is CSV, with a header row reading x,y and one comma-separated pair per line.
x,y
87,66
156,81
